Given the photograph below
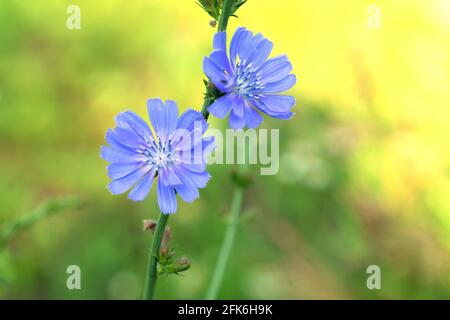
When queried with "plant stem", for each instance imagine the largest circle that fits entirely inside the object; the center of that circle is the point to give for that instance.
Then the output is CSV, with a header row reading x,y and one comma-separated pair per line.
x,y
206,103
226,12
223,22
48,208
152,272
227,244
238,195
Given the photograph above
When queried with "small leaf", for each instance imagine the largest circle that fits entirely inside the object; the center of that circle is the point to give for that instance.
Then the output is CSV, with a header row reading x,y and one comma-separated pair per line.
x,y
237,4
212,7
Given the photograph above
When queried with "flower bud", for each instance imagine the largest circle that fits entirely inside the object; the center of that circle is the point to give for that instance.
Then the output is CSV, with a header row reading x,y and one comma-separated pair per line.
x,y
212,7
166,238
213,23
149,225
181,264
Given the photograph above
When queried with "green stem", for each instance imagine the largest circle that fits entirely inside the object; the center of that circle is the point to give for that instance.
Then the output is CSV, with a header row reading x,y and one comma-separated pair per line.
x,y
206,103
152,272
50,207
150,283
238,195
227,245
223,22
226,12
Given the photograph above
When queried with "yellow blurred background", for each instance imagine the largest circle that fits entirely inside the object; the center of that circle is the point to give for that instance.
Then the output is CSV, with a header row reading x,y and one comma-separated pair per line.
x,y
364,176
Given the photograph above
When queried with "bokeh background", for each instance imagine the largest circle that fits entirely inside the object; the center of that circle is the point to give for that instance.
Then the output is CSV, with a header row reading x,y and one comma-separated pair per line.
x,y
364,175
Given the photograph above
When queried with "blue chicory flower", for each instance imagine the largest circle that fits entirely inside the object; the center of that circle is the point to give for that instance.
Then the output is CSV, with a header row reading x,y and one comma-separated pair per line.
x,y
249,80
175,153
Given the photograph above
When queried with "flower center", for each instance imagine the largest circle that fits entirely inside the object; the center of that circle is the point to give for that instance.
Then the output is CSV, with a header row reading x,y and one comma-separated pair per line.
x,y
158,154
247,79
161,159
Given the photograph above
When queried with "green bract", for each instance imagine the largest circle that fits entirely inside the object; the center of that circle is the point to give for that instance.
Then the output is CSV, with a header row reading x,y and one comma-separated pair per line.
x,y
214,7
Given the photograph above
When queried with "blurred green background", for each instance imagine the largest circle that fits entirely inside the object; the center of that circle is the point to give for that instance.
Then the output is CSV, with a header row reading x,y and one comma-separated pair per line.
x,y
364,176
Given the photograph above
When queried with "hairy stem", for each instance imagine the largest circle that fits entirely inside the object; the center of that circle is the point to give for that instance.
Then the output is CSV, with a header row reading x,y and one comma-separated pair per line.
x,y
48,208
227,244
152,272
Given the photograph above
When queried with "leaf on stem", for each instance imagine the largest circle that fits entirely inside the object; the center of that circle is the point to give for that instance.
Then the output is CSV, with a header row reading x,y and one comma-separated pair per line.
x,y
214,7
